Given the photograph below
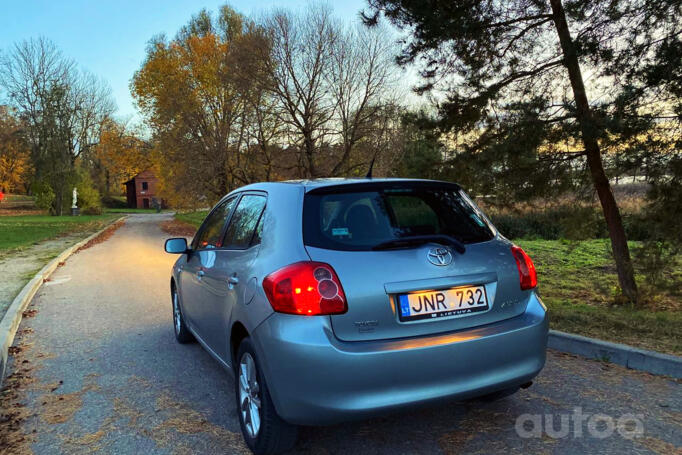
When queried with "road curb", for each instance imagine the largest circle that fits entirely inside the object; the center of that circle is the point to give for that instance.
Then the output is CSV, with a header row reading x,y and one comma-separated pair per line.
x,y
621,354
12,318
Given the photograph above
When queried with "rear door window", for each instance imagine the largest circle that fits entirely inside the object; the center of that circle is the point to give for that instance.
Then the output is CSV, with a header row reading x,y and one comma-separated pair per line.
x,y
240,232
258,233
344,219
209,235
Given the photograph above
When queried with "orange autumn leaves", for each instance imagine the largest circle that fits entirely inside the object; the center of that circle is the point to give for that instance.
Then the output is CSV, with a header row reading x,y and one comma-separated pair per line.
x,y
121,154
178,79
14,153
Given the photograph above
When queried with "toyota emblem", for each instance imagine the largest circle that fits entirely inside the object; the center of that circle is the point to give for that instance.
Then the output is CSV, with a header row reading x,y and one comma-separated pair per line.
x,y
439,256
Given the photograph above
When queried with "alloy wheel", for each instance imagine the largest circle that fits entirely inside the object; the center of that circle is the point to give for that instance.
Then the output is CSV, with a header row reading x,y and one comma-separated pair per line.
x,y
249,395
177,321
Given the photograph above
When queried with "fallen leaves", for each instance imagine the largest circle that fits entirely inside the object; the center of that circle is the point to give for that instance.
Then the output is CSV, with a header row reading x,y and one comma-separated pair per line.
x,y
659,446
29,313
102,237
13,411
177,228
183,419
60,408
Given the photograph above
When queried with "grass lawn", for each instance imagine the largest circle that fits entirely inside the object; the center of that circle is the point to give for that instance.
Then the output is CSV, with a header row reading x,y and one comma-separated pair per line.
x,y
24,230
577,281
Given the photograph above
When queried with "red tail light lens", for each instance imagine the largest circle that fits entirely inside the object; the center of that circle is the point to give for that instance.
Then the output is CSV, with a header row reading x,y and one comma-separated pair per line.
x,y
306,288
527,274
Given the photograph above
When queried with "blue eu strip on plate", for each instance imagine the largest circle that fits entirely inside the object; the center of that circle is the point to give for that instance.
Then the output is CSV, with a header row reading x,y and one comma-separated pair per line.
x,y
404,305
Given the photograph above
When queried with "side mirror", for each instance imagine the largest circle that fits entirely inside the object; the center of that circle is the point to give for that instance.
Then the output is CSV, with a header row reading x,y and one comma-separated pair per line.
x,y
176,246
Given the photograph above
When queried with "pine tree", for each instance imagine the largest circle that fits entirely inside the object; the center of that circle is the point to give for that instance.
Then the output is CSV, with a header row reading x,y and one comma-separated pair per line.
x,y
542,89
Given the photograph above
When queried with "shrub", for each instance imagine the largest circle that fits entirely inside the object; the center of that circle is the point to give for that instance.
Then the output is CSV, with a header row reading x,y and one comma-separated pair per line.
x,y
638,226
89,199
566,222
575,223
92,211
44,196
657,261
526,226
114,202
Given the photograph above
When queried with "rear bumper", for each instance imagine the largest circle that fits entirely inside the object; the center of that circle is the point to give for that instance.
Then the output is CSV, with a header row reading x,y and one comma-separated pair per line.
x,y
316,379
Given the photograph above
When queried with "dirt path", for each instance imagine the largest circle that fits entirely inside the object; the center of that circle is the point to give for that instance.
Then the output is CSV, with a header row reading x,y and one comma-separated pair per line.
x,y
96,369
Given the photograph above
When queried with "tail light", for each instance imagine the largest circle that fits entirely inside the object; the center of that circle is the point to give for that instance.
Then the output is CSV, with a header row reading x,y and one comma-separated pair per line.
x,y
306,288
527,274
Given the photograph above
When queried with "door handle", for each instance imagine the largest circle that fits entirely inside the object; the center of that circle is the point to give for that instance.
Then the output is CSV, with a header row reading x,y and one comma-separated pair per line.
x,y
232,281
200,274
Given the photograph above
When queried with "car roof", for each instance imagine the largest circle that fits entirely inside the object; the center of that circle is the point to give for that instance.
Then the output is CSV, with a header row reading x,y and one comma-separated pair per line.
x,y
317,183
311,184
321,183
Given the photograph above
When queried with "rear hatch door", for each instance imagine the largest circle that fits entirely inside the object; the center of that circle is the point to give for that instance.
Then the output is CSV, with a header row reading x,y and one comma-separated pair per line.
x,y
418,289
375,281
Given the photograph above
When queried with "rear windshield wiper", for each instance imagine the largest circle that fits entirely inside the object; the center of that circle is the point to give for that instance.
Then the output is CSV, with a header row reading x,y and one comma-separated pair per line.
x,y
420,239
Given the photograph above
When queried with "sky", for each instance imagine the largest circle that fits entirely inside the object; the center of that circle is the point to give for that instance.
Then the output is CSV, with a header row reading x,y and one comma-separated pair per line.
x,y
108,38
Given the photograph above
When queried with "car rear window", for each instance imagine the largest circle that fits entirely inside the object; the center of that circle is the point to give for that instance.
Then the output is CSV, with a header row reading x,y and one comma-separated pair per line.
x,y
351,217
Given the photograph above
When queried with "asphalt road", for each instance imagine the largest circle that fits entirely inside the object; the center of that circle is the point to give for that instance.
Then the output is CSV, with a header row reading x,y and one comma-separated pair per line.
x,y
97,370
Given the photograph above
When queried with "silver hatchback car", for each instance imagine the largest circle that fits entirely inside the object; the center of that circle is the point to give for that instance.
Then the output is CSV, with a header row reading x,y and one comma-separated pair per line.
x,y
339,299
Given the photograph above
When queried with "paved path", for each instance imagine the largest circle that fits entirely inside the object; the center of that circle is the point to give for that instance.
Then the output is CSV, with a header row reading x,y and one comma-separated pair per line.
x,y
98,370
19,266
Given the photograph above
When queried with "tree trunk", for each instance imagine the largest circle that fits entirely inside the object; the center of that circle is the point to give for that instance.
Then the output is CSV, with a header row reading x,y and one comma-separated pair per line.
x,y
58,203
309,150
614,222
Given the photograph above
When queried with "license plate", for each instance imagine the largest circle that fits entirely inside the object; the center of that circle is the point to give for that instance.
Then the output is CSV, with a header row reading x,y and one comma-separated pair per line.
x,y
459,302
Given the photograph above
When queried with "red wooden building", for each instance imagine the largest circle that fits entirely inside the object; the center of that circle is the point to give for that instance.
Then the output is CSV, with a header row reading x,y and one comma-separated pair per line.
x,y
141,191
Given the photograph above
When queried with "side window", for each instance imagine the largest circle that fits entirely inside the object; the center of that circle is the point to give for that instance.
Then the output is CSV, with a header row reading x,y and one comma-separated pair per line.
x,y
243,223
209,233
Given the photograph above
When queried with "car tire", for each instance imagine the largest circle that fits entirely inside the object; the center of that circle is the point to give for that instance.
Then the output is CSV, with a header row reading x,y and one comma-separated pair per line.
x,y
499,395
271,435
182,333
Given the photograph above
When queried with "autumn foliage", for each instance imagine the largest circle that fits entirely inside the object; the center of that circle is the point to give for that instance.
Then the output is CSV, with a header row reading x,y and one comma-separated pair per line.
x,y
120,155
230,101
14,153
195,96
